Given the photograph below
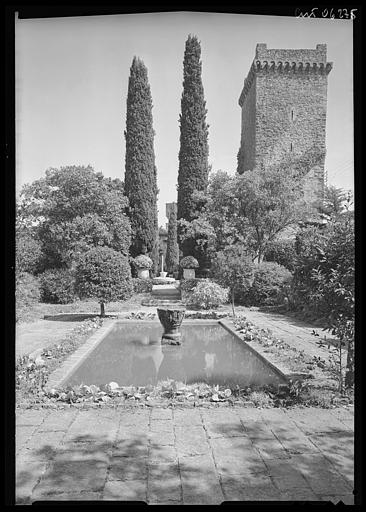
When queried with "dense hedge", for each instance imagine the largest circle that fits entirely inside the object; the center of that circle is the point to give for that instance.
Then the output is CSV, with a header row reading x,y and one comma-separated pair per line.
x,y
58,286
270,285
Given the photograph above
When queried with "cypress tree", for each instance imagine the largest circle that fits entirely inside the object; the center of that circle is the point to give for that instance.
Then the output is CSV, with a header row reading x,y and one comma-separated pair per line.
x,y
172,251
193,154
140,171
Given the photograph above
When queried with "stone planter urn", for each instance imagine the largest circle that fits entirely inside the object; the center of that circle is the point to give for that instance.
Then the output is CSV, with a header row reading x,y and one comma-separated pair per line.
x,y
163,274
143,273
189,273
171,319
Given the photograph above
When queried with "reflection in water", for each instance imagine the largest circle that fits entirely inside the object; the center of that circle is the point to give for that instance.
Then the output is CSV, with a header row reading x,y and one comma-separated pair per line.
x,y
132,354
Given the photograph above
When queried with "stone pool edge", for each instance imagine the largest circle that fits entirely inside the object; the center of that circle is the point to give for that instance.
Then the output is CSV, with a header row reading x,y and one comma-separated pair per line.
x,y
72,362
259,351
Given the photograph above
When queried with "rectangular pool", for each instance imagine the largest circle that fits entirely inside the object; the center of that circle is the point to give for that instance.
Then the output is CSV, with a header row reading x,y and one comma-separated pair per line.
x,y
131,354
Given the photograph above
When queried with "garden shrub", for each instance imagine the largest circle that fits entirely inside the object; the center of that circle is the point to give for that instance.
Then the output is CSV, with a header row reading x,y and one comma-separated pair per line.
x,y
188,262
142,285
28,253
282,252
27,293
58,286
142,262
104,274
270,285
207,295
188,285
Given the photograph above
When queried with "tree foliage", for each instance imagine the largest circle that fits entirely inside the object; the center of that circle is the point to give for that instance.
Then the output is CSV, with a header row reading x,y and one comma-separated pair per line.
x,y
193,153
28,252
140,171
71,210
233,268
251,209
172,251
105,275
324,279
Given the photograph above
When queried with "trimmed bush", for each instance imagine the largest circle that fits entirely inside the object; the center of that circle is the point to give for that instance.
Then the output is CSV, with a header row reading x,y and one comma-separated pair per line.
x,y
105,275
188,285
58,286
282,252
27,293
207,295
270,285
188,262
142,262
142,285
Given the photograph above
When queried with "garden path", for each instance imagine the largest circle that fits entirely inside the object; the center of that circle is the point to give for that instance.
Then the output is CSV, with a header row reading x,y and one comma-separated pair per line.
x,y
32,336
185,456
292,331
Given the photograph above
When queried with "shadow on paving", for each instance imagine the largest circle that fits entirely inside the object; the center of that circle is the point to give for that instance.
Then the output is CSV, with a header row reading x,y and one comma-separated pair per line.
x,y
243,462
264,462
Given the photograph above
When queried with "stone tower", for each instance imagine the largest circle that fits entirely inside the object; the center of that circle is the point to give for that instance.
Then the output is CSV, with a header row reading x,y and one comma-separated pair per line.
x,y
284,106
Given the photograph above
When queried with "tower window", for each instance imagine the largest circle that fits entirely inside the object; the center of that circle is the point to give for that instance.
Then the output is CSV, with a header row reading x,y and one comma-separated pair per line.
x,y
291,146
292,115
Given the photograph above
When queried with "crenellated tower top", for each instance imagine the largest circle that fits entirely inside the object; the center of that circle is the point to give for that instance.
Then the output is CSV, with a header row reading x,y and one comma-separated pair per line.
x,y
289,61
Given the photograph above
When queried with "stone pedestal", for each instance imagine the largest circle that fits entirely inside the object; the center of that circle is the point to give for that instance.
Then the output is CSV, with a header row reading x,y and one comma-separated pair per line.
x,y
143,273
189,273
171,319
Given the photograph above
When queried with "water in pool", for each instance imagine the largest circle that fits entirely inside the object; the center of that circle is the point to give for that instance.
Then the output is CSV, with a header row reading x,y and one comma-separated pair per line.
x,y
132,355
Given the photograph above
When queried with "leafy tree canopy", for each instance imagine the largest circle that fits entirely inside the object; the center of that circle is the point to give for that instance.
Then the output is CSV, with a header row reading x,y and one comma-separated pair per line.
x,y
72,209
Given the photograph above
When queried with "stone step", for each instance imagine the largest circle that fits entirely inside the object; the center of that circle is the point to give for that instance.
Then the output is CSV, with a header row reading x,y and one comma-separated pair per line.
x,y
161,302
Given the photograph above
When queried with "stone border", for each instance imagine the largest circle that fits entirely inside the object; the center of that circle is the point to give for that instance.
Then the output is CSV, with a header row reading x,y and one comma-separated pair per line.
x,y
57,377
258,350
60,375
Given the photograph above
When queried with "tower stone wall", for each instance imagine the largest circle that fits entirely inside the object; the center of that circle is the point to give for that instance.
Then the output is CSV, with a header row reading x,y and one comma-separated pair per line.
x,y
284,105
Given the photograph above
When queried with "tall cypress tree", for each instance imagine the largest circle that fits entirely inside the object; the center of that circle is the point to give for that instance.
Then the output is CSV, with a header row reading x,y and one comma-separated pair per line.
x,y
172,250
140,171
193,154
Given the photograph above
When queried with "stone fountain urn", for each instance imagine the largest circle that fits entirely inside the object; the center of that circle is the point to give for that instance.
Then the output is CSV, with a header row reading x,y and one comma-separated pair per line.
x,y
171,319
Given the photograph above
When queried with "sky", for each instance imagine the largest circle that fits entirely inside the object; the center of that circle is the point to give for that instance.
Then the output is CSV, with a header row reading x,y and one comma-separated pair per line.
x,y
72,80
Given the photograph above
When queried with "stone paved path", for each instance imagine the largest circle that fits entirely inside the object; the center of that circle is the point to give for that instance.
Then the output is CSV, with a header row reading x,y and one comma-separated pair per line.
x,y
294,332
41,334
185,456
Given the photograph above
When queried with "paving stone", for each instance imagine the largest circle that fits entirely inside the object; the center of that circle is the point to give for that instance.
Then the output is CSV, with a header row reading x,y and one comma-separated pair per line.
x,y
194,466
257,430
87,429
164,484
161,414
338,450
161,438
314,420
249,488
41,446
161,425
233,465
79,452
200,481
295,443
31,417
64,476
224,429
127,468
74,496
127,490
191,441
187,418
139,418
270,449
299,494
249,414
28,473
58,420
135,447
22,434
162,454
240,446
285,475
